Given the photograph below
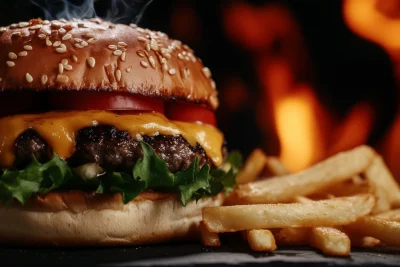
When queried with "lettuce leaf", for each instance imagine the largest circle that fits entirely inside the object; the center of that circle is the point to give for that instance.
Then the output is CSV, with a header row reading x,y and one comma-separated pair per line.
x,y
150,172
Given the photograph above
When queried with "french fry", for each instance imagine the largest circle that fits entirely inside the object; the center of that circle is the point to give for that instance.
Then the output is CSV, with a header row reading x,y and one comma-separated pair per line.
x,y
253,167
386,231
346,188
208,238
330,241
293,236
276,167
391,215
363,241
332,171
261,240
385,187
337,211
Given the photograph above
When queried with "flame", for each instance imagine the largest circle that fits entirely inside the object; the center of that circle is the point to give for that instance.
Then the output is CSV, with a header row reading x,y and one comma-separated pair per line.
x,y
298,129
366,19
354,130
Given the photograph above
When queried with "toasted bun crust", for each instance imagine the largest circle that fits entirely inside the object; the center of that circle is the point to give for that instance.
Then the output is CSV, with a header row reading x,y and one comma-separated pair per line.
x,y
142,221
101,57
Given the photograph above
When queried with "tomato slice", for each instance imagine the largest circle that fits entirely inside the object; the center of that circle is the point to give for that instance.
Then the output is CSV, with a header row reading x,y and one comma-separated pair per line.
x,y
104,101
190,113
12,103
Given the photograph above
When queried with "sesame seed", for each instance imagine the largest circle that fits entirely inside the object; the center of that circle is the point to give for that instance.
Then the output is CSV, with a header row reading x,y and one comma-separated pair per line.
x,y
133,25
148,47
92,40
67,36
23,24
28,47
187,58
123,56
10,64
140,30
163,60
84,43
128,69
28,78
91,62
154,45
63,46
62,31
152,62
112,47
144,64
48,42
3,29
16,34
213,85
42,36
68,67
46,22
12,55
89,35
122,44
118,75
184,53
61,50
165,66
140,53
44,79
35,27
78,45
60,68
13,26
56,43
142,39
171,71
180,56
74,58
207,72
117,52
64,61
23,54
62,78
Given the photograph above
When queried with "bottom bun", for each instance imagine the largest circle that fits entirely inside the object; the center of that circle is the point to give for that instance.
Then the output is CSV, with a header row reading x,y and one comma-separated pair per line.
x,y
138,222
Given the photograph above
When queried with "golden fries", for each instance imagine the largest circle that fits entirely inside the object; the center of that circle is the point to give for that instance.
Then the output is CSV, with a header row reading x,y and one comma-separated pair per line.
x,y
356,190
208,238
319,177
336,211
261,240
384,185
253,167
330,240
293,236
391,215
386,231
275,166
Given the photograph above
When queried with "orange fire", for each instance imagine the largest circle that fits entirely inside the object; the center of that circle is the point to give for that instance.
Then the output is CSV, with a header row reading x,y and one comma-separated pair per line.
x,y
298,129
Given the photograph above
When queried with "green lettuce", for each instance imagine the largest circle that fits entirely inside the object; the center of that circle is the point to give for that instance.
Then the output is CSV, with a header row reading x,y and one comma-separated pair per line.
x,y
150,172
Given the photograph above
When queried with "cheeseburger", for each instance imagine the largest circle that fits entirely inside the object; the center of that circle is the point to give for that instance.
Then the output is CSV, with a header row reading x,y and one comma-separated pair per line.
x,y
107,135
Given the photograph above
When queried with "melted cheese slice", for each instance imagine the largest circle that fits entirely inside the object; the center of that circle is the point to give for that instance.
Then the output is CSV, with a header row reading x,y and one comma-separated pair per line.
x,y
59,130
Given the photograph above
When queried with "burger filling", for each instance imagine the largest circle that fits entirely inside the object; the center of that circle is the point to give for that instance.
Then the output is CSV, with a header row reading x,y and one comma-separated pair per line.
x,y
110,153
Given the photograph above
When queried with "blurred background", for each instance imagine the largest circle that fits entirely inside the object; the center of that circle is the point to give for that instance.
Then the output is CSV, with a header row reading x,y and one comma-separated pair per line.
x,y
300,79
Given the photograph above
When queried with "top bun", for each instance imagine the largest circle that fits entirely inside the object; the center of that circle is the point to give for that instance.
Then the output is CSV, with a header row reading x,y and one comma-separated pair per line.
x,y
95,55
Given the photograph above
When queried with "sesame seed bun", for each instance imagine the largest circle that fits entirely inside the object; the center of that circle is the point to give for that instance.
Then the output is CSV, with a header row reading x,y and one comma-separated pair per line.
x,y
95,55
79,219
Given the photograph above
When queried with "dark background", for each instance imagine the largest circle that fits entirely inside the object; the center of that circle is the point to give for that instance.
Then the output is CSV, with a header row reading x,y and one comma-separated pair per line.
x,y
342,67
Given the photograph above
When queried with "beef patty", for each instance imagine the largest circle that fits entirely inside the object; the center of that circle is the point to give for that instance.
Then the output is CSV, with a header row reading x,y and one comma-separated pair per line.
x,y
111,149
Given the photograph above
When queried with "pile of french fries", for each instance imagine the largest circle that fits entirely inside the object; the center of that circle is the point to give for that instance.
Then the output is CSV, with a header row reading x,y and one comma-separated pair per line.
x,y
349,199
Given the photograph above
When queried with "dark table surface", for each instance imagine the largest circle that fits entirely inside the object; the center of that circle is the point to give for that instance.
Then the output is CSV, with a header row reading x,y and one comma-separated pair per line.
x,y
186,254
